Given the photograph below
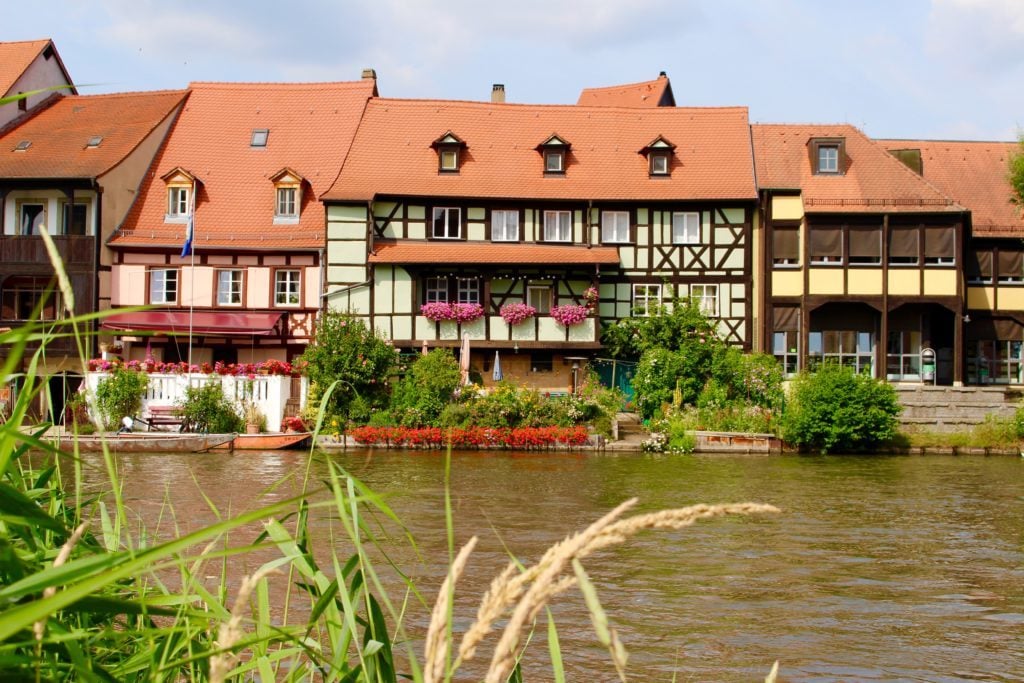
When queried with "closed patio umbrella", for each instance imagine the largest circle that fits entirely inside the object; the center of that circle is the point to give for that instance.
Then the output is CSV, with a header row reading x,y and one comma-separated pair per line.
x,y
464,358
498,375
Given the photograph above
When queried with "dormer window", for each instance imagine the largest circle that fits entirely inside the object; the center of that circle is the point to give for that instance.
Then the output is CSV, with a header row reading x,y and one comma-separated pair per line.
x,y
659,154
554,150
287,196
181,187
449,149
827,156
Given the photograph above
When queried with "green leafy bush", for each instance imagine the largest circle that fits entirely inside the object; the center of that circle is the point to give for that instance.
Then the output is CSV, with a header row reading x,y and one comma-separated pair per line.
x,y
835,409
120,395
427,388
205,409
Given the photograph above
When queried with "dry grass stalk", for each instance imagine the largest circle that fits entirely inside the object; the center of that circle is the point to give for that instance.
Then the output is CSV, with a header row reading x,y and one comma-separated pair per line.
x,y
39,627
546,580
230,632
436,647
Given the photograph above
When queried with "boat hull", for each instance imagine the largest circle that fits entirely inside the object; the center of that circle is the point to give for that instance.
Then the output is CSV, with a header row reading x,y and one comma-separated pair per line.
x,y
145,442
267,442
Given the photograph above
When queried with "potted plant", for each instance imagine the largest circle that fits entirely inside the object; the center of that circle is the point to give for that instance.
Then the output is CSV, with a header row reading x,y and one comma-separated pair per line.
x,y
254,419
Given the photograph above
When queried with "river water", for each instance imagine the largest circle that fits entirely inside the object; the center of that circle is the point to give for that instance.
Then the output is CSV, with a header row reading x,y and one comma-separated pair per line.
x,y
880,568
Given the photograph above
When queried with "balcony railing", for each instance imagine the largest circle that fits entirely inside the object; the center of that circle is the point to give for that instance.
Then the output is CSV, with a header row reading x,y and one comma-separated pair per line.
x,y
74,250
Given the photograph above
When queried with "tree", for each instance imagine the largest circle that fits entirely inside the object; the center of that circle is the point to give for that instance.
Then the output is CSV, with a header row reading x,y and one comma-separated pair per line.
x,y
1017,174
345,351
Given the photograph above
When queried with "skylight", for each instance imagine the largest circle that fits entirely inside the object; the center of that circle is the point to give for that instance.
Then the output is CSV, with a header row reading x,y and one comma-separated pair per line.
x,y
259,137
94,141
23,145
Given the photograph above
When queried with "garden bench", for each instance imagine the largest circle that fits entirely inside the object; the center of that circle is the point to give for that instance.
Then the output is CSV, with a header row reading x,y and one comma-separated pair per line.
x,y
162,417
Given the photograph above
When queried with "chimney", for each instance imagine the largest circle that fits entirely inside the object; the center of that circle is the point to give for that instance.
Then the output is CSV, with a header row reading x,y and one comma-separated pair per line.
x,y
370,74
498,93
662,75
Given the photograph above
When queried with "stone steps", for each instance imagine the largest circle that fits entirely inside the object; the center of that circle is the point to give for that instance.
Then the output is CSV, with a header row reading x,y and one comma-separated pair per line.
x,y
955,408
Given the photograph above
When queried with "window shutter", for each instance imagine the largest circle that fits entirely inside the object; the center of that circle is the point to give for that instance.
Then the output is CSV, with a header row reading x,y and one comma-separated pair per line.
x,y
1011,263
939,241
786,243
866,242
979,265
786,319
826,242
903,242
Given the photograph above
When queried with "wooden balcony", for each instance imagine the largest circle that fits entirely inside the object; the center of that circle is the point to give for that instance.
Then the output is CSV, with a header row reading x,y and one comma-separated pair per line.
x,y
75,250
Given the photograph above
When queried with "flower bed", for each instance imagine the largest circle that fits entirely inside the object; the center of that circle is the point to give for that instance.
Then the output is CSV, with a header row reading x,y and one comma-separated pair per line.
x,y
520,438
439,311
267,367
518,312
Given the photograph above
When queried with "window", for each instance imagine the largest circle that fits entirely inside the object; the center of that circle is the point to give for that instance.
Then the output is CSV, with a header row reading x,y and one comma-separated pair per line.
x,y
866,244
449,159
287,206
94,141
163,286
27,298
539,296
1011,266
229,288
828,159
979,268
646,299
615,226
849,348
786,245
658,163
685,227
554,161
468,290
557,226
447,223
287,287
33,217
436,289
706,298
541,362
903,360
505,226
939,245
826,244
903,246
177,201
786,349
74,219
991,361
259,137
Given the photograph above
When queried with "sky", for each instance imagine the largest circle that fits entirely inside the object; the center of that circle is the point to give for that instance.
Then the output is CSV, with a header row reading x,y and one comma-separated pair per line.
x,y
932,69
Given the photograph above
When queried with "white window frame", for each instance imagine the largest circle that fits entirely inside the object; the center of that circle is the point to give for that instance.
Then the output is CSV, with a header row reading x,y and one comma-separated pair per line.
x,y
468,290
828,158
643,296
448,159
615,227
539,296
504,225
162,285
689,231
706,298
786,349
288,284
178,201
448,212
554,224
229,285
659,163
287,204
554,161
436,289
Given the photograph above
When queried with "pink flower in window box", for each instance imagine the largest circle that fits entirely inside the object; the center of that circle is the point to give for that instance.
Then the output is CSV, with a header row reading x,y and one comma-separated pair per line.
x,y
518,312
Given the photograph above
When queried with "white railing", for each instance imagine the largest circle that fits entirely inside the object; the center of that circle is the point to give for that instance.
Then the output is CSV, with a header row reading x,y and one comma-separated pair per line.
x,y
269,393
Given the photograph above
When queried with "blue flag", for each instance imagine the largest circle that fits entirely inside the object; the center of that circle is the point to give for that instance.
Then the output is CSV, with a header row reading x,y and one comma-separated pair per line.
x,y
187,248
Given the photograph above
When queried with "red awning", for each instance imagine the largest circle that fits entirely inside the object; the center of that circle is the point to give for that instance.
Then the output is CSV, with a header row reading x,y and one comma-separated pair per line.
x,y
212,323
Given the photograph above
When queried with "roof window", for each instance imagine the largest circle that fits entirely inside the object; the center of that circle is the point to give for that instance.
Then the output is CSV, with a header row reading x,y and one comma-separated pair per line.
x,y
659,153
554,150
94,141
449,152
259,137
23,145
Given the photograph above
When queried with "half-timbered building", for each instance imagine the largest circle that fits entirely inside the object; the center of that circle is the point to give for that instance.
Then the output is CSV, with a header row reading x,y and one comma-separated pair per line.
x,y
31,72
975,175
445,213
240,172
862,258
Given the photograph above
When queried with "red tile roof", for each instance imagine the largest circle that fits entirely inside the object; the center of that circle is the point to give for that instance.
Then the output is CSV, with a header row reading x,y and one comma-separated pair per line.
x,y
975,175
391,154
873,180
16,57
654,93
406,251
310,127
59,133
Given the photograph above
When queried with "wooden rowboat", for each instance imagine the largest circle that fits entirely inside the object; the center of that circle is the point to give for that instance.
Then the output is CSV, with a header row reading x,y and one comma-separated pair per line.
x,y
271,441
148,442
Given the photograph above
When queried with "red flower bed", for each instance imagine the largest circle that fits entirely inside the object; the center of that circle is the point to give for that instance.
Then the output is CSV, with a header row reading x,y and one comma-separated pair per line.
x,y
520,438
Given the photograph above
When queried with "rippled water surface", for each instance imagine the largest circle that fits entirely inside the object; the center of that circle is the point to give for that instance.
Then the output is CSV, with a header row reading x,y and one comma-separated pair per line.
x,y
879,569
